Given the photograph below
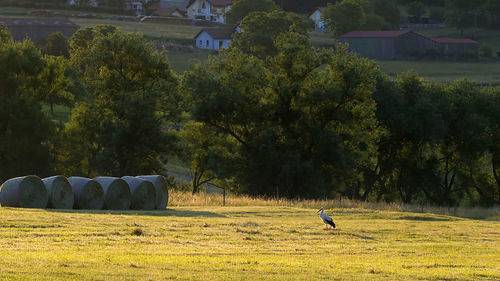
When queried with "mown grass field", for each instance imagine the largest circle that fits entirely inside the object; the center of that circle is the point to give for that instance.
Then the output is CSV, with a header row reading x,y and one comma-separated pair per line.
x,y
274,242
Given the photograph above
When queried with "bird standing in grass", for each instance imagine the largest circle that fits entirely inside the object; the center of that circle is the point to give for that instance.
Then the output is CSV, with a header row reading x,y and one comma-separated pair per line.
x,y
326,218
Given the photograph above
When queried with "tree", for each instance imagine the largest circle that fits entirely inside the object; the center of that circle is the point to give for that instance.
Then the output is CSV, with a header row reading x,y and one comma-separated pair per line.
x,y
260,29
131,94
301,120
462,14
344,17
389,11
241,8
56,45
54,83
25,131
416,9
206,152
488,186
5,36
407,159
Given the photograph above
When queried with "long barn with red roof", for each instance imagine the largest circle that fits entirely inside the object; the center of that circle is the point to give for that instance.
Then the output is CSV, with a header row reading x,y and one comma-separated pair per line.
x,y
388,44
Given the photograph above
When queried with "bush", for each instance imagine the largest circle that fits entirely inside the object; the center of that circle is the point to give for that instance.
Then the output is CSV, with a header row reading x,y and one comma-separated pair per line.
x,y
413,53
486,51
432,53
470,55
416,9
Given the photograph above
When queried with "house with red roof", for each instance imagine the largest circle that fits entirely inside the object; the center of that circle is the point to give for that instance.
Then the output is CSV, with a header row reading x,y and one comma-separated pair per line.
x,y
208,10
394,44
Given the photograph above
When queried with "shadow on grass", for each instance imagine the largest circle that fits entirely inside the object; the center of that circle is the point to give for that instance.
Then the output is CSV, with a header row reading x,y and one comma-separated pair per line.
x,y
425,218
163,213
364,237
338,231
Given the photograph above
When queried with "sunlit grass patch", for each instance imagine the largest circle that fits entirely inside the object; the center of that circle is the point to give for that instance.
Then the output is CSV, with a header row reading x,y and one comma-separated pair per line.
x,y
266,242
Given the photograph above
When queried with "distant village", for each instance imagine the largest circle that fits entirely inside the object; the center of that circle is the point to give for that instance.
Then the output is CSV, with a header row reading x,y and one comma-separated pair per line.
x,y
217,35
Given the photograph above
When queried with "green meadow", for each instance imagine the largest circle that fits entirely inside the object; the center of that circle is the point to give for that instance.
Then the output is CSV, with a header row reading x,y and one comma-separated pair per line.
x,y
249,239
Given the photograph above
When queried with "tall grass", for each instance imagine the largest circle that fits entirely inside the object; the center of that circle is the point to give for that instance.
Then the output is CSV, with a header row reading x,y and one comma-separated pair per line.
x,y
183,198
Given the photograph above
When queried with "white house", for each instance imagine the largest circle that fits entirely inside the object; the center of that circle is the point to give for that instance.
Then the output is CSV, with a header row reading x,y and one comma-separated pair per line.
x,y
134,6
208,10
214,38
317,17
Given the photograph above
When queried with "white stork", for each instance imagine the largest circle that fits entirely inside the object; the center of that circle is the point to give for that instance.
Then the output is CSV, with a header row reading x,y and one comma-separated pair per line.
x,y
326,218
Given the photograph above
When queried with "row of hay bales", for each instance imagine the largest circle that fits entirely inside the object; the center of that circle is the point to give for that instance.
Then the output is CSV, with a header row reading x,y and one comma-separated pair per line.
x,y
59,192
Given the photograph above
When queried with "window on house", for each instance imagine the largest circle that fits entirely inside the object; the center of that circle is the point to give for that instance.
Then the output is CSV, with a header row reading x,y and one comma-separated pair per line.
x,y
203,6
208,43
201,42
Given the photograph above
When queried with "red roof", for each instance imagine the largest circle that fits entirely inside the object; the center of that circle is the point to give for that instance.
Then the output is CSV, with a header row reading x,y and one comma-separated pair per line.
x,y
321,10
375,34
214,2
454,40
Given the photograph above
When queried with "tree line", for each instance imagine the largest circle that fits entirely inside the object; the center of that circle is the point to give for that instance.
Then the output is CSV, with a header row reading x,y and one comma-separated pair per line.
x,y
256,119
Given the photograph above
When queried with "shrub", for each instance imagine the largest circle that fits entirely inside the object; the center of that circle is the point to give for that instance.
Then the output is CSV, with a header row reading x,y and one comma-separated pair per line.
x,y
137,231
486,51
432,53
470,55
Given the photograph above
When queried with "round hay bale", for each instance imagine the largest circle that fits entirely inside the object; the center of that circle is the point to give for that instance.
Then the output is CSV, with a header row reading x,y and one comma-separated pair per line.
x,y
143,193
89,194
24,192
116,193
161,188
60,192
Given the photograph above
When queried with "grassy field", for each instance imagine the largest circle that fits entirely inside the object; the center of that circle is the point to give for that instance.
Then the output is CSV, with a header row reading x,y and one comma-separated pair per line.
x,y
485,73
152,30
245,243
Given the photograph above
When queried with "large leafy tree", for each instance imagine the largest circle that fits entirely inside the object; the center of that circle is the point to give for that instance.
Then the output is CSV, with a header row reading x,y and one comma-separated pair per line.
x,y
56,44
54,84
260,29
389,11
344,17
241,8
349,15
302,120
462,13
130,95
207,153
25,131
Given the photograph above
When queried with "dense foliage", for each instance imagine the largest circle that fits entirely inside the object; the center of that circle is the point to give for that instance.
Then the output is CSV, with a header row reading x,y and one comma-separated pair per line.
x,y
271,115
241,8
348,15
